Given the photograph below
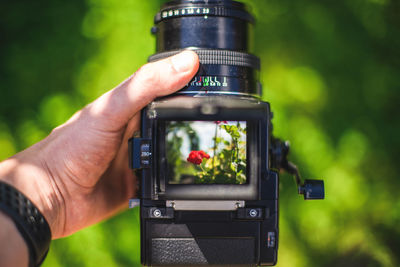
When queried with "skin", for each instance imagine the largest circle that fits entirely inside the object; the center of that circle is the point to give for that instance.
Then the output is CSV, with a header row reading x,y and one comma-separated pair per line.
x,y
79,174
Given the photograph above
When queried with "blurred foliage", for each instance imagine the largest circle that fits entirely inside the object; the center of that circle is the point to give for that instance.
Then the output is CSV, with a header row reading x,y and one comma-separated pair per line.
x,y
331,70
228,162
175,133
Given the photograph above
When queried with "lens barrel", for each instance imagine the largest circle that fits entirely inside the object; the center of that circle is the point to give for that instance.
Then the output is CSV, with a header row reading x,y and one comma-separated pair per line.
x,y
218,31
204,24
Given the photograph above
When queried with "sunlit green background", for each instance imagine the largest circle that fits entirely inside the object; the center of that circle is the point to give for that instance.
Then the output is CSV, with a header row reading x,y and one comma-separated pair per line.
x,y
331,70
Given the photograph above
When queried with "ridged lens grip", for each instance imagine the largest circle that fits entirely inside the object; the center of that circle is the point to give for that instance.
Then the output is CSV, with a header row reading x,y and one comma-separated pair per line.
x,y
217,57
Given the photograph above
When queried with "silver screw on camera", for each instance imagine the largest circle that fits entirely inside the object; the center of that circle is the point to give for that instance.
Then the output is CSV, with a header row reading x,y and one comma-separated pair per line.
x,y
157,213
253,213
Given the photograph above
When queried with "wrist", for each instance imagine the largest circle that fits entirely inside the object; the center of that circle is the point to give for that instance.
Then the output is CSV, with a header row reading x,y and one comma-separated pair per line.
x,y
14,251
29,176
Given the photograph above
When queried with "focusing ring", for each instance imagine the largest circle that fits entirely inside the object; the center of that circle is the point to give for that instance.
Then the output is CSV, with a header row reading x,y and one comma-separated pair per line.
x,y
217,57
202,10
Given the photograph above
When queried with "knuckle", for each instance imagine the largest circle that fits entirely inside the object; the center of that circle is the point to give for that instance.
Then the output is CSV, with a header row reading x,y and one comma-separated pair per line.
x,y
148,75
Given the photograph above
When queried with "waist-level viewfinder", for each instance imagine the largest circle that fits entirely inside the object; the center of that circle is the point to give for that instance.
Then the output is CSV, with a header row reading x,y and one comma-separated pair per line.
x,y
206,160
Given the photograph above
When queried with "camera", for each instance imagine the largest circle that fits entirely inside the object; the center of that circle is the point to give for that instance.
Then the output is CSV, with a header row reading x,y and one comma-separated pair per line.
x,y
206,159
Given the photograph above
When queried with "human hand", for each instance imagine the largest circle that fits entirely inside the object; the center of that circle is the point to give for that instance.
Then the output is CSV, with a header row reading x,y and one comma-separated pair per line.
x,y
79,174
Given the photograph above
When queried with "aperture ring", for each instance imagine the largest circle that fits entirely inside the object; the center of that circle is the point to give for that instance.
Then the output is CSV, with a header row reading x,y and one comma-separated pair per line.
x,y
216,57
203,10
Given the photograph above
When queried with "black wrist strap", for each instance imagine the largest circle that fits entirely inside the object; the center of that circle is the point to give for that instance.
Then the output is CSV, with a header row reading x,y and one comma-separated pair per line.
x,y
30,222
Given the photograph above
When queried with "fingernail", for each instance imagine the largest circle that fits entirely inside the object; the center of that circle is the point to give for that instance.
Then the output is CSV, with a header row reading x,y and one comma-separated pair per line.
x,y
183,61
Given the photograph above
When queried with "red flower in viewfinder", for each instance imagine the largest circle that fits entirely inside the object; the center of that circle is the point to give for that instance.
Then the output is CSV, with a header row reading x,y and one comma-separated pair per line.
x,y
204,154
218,122
196,157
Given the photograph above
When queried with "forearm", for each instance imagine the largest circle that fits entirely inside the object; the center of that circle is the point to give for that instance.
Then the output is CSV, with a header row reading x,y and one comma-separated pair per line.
x,y
25,193
26,172
13,249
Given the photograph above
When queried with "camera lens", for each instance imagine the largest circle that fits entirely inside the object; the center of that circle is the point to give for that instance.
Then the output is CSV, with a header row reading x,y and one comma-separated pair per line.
x,y
218,31
205,24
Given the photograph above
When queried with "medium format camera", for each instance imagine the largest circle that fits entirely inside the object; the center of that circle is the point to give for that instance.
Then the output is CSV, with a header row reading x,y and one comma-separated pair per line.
x,y
206,160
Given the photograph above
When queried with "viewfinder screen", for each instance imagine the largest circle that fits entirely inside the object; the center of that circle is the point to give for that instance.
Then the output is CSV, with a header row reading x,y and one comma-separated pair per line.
x,y
206,152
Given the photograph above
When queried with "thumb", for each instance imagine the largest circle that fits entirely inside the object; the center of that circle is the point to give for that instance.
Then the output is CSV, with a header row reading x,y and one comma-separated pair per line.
x,y
115,108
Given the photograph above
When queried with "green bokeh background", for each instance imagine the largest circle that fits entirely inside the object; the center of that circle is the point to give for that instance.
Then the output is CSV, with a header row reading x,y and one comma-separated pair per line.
x,y
331,70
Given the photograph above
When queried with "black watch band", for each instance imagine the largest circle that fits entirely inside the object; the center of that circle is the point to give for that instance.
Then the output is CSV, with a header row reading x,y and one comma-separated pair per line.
x,y
30,222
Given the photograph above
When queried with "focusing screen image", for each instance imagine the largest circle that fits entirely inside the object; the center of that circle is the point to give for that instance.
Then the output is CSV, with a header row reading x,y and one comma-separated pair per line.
x,y
206,152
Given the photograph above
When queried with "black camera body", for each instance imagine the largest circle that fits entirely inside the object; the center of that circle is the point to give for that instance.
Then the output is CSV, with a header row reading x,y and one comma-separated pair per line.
x,y
206,160
207,223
